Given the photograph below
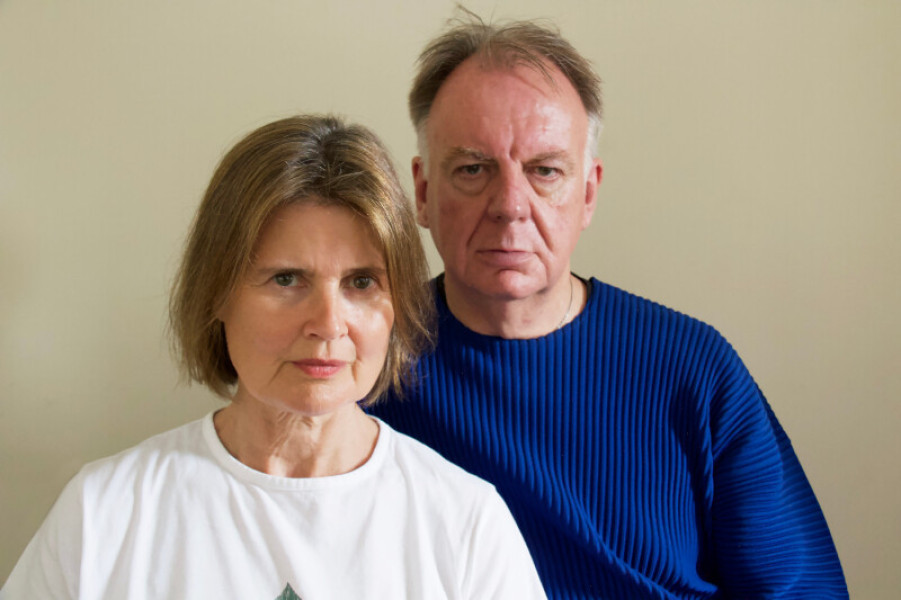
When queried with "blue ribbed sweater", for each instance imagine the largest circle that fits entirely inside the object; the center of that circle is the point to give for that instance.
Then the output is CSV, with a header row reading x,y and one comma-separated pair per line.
x,y
635,451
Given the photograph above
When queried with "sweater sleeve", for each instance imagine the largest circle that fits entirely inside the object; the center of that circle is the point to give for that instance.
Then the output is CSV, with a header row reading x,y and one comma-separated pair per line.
x,y
770,537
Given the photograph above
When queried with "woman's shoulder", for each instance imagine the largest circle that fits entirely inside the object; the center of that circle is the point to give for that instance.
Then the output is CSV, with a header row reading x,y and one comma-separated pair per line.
x,y
429,469
154,457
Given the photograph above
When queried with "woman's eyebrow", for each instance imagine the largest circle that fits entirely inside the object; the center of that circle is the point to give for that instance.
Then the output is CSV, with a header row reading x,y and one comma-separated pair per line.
x,y
363,269
275,268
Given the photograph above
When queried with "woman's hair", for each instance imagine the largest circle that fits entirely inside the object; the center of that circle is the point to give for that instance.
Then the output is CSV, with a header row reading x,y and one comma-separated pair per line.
x,y
304,158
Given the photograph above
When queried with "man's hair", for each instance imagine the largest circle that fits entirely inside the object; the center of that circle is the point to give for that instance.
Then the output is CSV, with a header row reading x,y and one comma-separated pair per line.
x,y
503,45
316,159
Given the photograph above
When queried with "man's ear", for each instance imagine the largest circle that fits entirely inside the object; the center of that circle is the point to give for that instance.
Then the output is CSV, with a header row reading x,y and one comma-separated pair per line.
x,y
592,181
420,184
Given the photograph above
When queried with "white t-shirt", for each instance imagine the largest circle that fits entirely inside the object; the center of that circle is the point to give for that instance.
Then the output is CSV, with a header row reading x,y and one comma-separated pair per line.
x,y
178,517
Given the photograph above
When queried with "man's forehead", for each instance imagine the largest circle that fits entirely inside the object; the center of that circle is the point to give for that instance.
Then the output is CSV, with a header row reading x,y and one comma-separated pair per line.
x,y
485,139
543,75
492,113
472,93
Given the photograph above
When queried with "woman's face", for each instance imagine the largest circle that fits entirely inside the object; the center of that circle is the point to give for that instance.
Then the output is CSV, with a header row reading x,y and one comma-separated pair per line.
x,y
308,327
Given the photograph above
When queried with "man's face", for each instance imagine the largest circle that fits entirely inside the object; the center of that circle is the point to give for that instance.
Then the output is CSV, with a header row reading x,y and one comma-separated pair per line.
x,y
506,188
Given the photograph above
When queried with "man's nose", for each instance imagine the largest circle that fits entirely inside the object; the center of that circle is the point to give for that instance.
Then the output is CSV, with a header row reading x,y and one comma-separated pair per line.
x,y
326,319
509,199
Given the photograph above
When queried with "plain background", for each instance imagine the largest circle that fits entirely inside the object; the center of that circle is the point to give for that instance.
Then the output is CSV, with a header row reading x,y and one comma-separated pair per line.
x,y
752,179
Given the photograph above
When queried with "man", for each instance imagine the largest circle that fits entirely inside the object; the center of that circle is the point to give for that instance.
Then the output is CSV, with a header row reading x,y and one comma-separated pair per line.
x,y
631,444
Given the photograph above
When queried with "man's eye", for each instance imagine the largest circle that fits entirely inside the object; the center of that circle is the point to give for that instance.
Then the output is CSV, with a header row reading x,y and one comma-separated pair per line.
x,y
471,170
362,282
472,178
545,171
285,279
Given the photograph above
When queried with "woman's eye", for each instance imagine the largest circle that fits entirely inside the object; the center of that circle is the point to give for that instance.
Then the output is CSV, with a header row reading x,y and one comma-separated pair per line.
x,y
362,282
285,279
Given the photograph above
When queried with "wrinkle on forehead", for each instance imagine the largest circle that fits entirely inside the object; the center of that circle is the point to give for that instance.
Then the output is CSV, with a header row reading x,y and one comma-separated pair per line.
x,y
514,111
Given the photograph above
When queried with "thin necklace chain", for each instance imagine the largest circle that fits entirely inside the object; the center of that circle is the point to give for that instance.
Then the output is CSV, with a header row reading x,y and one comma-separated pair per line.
x,y
568,308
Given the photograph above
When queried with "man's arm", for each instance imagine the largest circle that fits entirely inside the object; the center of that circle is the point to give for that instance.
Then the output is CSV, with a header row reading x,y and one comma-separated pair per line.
x,y
769,534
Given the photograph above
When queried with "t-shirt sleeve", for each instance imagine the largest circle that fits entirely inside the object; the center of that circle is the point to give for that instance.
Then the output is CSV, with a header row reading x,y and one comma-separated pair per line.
x,y
498,562
50,565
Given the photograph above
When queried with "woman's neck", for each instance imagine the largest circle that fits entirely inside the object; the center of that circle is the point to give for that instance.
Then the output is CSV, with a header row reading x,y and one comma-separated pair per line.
x,y
284,444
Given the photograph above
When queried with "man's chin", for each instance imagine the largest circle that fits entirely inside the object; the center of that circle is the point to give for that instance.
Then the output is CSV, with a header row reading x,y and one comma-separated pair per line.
x,y
507,285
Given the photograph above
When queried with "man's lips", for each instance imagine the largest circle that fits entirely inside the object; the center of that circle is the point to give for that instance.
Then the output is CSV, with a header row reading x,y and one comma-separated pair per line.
x,y
501,257
319,368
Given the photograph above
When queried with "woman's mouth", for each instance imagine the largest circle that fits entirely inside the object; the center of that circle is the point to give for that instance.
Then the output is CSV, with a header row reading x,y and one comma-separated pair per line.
x,y
319,368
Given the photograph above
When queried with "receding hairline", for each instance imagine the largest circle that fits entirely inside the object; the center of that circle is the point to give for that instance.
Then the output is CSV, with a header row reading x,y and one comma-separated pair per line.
x,y
534,42
550,74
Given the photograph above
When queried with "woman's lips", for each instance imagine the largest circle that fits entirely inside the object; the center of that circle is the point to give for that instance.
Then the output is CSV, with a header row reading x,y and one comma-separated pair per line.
x,y
320,369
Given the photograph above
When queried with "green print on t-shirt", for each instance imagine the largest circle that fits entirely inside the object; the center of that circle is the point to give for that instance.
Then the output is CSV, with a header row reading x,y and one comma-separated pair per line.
x,y
288,594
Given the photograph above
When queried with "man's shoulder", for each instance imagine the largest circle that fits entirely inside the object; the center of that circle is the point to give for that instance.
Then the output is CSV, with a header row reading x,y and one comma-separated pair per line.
x,y
621,304
644,328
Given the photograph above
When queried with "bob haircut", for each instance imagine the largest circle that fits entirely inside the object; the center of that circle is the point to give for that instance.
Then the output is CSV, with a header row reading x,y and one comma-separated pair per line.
x,y
504,45
309,158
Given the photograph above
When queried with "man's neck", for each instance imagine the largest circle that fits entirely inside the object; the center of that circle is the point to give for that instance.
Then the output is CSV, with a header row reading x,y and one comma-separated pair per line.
x,y
531,317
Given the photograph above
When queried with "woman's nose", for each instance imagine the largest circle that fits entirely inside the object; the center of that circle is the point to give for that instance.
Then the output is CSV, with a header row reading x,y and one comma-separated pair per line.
x,y
326,318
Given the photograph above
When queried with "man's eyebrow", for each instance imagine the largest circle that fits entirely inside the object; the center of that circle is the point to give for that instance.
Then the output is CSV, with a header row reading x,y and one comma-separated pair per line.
x,y
458,152
477,155
554,155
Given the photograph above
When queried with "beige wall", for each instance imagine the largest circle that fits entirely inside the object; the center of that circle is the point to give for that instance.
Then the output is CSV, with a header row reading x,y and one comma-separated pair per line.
x,y
753,179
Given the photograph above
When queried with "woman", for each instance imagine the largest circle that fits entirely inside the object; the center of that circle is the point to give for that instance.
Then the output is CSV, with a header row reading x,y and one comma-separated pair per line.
x,y
300,298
